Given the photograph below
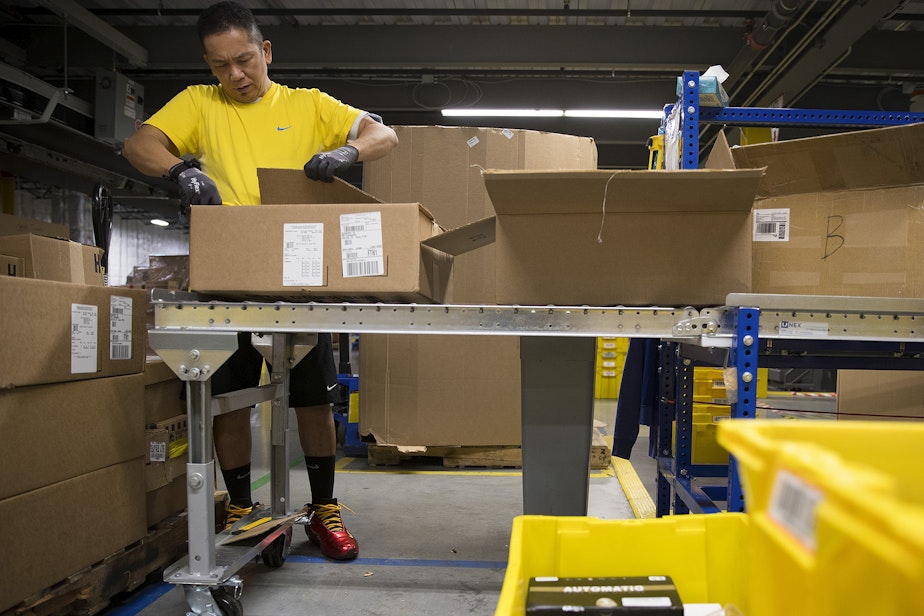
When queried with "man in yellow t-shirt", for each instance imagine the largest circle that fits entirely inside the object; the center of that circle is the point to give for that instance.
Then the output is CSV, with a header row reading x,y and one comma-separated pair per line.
x,y
244,122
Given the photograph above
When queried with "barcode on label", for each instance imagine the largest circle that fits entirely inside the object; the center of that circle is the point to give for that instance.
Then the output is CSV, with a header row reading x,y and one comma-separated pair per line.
x,y
353,228
117,310
792,506
777,229
363,268
120,351
158,452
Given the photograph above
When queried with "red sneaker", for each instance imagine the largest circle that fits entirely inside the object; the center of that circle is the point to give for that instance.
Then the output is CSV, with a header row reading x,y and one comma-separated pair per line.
x,y
325,529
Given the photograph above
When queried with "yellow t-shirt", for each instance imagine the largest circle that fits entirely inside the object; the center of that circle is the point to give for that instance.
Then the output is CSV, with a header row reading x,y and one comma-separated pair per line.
x,y
232,140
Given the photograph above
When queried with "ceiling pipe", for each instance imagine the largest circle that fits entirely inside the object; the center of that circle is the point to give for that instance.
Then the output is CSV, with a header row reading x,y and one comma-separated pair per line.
x,y
760,36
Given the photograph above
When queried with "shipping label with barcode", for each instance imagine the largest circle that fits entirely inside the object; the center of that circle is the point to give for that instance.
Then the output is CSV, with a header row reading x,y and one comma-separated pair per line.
x,y
361,246
792,505
158,452
771,225
120,327
303,254
84,331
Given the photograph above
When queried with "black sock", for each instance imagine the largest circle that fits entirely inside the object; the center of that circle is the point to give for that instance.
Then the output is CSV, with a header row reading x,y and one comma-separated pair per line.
x,y
237,480
321,477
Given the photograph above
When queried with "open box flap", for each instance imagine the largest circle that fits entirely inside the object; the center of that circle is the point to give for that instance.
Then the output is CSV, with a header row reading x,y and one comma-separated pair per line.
x,y
285,186
465,238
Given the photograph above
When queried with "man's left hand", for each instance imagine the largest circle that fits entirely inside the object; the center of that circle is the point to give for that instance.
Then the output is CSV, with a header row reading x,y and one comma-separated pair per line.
x,y
324,166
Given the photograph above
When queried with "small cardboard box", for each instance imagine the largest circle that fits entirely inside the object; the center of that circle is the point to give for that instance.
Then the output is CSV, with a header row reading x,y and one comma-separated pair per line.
x,y
315,241
12,266
105,513
840,214
17,225
880,394
57,331
62,430
54,259
603,238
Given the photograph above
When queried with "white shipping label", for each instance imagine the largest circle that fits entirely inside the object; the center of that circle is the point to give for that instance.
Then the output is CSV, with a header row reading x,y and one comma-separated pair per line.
x,y
120,327
158,452
84,330
792,506
361,247
803,329
472,142
507,133
303,254
771,225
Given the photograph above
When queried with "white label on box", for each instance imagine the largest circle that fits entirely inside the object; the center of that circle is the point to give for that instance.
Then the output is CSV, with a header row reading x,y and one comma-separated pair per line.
x,y
803,329
771,225
472,142
158,452
361,245
120,327
646,602
303,254
507,133
792,506
84,329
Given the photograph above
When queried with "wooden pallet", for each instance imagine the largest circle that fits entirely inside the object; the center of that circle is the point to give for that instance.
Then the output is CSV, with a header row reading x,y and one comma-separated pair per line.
x,y
90,590
473,456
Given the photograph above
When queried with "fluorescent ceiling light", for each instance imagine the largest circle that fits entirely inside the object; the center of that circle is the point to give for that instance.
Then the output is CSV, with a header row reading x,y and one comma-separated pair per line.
x,y
159,222
641,114
510,113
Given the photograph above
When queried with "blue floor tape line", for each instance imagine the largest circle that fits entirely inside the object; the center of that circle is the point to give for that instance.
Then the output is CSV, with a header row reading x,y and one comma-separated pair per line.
x,y
141,600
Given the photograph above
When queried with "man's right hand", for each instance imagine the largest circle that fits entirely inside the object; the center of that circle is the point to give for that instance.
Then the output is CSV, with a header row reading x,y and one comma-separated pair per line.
x,y
197,187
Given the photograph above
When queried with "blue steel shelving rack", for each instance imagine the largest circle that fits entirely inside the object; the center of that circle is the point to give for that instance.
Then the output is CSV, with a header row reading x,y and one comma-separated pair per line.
x,y
676,473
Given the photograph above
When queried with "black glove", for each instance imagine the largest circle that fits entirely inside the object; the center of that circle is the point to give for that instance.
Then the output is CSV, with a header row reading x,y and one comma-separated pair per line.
x,y
198,188
325,165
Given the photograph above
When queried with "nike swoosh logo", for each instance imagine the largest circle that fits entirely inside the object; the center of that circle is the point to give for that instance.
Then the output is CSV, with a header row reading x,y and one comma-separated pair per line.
x,y
313,467
243,476
331,388
283,127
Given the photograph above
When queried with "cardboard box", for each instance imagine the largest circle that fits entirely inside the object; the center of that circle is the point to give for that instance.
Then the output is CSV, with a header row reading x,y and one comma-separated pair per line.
x,y
162,392
166,501
662,238
453,390
17,225
896,395
58,431
336,244
840,214
54,259
162,465
12,266
56,331
53,532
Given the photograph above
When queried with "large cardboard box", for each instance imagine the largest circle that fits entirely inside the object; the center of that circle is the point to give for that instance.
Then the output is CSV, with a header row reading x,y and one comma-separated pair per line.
x,y
17,225
58,431
53,532
56,331
453,390
896,395
840,214
315,241
55,259
604,238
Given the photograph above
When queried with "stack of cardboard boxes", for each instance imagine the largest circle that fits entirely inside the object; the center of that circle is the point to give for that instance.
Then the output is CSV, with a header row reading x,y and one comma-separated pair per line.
x,y
71,386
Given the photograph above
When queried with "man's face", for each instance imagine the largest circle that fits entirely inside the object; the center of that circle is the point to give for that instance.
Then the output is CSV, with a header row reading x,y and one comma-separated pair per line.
x,y
239,64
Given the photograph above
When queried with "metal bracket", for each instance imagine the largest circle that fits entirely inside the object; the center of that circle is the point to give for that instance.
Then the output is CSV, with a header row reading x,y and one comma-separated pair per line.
x,y
696,326
302,343
193,356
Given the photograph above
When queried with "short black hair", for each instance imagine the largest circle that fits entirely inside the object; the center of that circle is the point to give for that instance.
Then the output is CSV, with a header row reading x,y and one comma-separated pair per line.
x,y
223,16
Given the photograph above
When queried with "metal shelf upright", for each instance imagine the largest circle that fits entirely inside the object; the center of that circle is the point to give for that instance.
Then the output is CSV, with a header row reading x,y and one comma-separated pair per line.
x,y
757,341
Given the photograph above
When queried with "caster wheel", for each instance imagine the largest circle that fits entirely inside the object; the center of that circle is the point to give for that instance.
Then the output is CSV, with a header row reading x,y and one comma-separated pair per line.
x,y
226,603
274,555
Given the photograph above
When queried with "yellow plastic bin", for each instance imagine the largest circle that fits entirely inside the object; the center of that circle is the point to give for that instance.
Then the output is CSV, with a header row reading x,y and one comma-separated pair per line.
x,y
703,554
837,512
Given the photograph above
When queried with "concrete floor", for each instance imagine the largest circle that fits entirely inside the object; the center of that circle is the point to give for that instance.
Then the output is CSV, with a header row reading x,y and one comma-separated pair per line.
x,y
432,541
